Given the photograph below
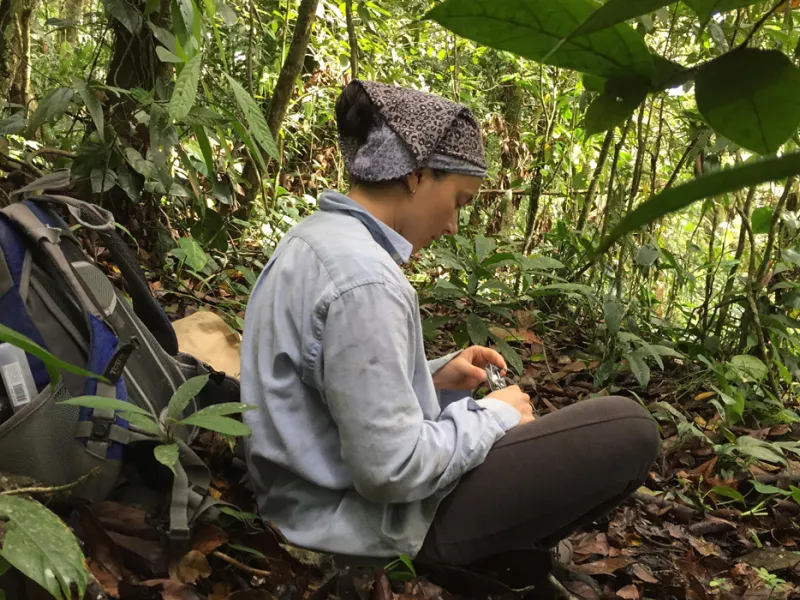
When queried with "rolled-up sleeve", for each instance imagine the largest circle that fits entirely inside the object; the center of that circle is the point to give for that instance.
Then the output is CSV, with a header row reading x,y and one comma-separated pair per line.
x,y
394,454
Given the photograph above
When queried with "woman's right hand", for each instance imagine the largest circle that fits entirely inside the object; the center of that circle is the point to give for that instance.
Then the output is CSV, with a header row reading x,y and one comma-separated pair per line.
x,y
517,399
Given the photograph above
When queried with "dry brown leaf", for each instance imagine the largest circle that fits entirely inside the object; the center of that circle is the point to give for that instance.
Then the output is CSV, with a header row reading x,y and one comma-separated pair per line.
x,y
107,581
705,396
704,547
574,367
629,592
643,572
607,566
220,591
193,567
124,519
594,544
208,537
675,531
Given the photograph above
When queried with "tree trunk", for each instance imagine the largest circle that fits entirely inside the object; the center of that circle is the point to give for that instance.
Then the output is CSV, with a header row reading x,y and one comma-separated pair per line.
x,y
601,161
306,14
351,34
73,10
15,50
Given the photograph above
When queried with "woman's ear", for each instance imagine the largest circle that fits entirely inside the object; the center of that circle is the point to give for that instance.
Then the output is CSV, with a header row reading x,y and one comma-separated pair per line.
x,y
413,180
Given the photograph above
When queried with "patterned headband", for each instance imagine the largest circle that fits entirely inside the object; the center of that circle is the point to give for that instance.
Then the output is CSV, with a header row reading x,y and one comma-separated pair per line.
x,y
416,129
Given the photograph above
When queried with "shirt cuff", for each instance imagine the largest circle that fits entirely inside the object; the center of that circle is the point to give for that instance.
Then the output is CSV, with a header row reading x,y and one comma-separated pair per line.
x,y
508,416
434,366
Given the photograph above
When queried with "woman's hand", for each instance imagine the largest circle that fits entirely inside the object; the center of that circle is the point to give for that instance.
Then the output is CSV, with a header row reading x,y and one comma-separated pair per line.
x,y
516,399
467,371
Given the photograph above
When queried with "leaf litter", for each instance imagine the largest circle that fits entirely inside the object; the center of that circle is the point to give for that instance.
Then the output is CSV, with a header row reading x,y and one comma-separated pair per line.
x,y
683,535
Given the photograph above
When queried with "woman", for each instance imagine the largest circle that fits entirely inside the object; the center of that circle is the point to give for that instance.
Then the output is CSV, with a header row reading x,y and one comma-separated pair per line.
x,y
361,447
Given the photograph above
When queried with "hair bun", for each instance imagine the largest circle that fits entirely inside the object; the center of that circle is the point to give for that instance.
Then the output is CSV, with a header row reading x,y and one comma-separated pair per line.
x,y
355,114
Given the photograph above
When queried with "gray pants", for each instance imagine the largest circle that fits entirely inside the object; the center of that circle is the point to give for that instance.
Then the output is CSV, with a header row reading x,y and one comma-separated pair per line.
x,y
545,479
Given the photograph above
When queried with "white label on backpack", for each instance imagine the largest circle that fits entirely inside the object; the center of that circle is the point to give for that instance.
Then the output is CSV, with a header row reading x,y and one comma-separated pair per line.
x,y
16,375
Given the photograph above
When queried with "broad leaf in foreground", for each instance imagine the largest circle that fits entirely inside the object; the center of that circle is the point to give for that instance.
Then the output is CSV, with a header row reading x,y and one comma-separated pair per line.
x,y
673,199
184,394
51,108
105,403
752,97
540,30
512,357
224,425
167,455
42,547
91,102
478,332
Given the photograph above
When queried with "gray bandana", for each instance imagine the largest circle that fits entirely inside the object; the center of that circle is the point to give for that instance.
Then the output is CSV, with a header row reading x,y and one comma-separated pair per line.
x,y
415,129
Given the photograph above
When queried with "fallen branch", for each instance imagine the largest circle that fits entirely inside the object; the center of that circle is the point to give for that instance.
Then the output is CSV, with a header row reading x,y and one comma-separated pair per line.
x,y
54,489
53,151
240,565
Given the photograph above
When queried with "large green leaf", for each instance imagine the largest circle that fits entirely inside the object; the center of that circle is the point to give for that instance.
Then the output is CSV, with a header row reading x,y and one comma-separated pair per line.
x,y
51,108
706,8
619,99
42,547
205,148
478,332
53,363
761,220
752,172
484,246
255,118
538,29
91,102
751,96
750,366
191,252
184,394
126,13
185,92
103,402
614,12
224,425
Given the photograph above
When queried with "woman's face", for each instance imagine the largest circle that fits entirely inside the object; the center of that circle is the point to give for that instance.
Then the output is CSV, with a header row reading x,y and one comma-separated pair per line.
x,y
432,210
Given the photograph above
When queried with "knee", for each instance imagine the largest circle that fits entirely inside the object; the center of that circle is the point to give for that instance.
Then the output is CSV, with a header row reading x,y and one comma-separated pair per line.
x,y
639,431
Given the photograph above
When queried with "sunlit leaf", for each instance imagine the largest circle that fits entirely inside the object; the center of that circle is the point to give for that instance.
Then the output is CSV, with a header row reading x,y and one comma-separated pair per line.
x,y
770,490
185,92
761,220
750,367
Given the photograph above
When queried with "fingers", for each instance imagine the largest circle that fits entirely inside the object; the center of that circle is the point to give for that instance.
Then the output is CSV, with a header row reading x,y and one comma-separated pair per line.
x,y
486,356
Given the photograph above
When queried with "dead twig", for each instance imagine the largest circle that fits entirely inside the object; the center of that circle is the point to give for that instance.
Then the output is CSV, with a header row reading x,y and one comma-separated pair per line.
x,y
240,565
52,151
54,489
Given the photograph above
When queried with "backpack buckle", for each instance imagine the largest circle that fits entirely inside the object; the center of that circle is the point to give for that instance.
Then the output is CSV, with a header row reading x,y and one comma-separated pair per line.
x,y
101,429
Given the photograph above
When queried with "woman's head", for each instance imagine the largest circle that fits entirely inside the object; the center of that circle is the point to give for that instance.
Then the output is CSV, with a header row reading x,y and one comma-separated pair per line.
x,y
414,157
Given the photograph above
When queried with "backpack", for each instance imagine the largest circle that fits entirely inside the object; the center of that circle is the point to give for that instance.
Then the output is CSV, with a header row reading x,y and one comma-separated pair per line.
x,y
54,294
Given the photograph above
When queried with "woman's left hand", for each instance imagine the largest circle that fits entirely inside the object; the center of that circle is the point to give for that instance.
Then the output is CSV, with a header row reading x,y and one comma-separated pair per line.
x,y
467,371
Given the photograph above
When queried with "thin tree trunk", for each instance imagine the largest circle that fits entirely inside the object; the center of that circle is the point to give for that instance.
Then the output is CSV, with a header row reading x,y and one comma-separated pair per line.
x,y
709,291
773,230
15,51
73,10
281,96
723,315
601,161
351,34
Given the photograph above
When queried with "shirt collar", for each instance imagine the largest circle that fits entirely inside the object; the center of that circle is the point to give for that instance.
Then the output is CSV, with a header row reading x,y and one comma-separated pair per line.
x,y
398,247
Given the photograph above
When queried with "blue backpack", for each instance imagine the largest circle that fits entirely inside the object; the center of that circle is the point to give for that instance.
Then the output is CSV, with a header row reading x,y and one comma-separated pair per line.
x,y
54,294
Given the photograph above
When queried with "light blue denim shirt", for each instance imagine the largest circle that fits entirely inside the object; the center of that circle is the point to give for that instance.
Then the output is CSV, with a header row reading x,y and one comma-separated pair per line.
x,y
352,448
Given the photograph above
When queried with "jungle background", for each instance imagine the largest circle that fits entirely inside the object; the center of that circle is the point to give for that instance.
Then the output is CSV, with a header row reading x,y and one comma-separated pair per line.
x,y
637,235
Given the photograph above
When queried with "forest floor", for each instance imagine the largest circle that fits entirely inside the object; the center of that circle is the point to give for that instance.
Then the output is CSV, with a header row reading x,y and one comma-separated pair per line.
x,y
678,537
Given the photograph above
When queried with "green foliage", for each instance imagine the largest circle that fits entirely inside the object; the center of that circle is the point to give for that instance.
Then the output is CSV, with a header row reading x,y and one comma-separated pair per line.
x,y
611,108
255,119
184,395
751,96
183,96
